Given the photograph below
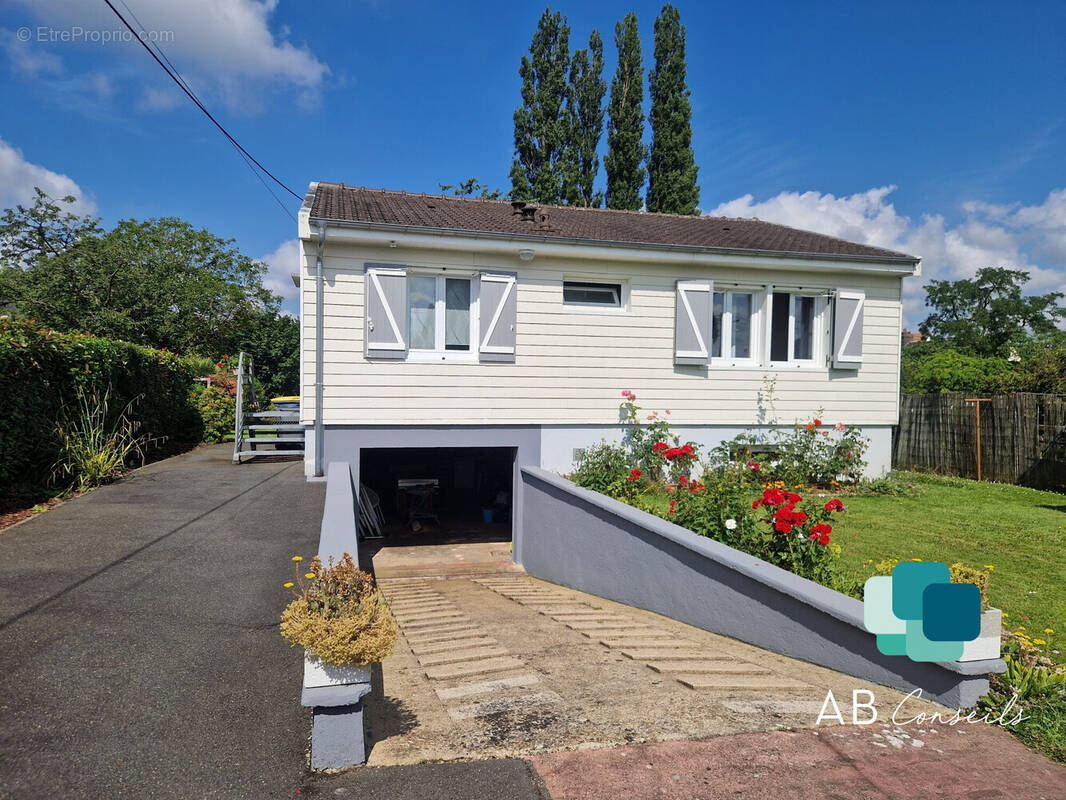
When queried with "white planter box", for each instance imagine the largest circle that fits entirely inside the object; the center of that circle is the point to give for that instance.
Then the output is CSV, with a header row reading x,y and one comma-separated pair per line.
x,y
987,644
318,675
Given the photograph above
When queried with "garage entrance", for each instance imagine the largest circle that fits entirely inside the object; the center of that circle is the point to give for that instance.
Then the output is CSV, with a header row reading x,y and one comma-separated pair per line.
x,y
459,500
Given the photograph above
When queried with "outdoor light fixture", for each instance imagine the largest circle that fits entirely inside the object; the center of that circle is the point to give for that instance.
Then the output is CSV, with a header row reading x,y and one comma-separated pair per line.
x,y
525,254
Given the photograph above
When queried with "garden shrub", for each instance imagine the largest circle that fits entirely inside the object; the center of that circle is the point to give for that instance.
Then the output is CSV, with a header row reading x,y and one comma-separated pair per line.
x,y
812,454
217,408
602,465
339,615
42,372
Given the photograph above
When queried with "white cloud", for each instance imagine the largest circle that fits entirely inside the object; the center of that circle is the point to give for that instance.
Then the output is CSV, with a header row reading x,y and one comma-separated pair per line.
x,y
225,49
18,177
1032,238
27,58
282,263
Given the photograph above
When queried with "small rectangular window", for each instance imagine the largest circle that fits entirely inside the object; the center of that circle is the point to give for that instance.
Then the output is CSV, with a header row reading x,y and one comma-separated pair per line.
x,y
779,326
438,313
581,293
731,325
803,329
740,341
794,327
456,314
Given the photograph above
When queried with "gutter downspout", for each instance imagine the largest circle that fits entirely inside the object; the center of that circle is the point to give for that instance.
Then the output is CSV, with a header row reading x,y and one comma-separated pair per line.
x,y
319,339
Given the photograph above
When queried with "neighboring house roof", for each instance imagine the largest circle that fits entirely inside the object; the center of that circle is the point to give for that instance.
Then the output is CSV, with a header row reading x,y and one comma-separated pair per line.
x,y
355,204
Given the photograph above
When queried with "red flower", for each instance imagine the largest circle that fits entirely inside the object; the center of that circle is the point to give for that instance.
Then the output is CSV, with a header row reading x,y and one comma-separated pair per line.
x,y
752,465
817,422
219,365
688,450
783,514
809,427
834,505
672,504
635,475
823,539
660,446
773,497
684,480
794,498
784,527
756,503
822,527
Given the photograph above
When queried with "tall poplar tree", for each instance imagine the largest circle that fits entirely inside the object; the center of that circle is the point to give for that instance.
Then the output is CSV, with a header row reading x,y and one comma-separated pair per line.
x,y
585,114
625,125
541,126
672,166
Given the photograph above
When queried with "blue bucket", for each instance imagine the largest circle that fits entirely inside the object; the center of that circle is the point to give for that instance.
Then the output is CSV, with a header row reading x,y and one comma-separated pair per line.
x,y
487,515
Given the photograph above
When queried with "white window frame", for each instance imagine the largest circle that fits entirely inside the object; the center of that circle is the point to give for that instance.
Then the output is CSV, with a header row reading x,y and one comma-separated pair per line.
x,y
758,299
439,353
593,308
818,332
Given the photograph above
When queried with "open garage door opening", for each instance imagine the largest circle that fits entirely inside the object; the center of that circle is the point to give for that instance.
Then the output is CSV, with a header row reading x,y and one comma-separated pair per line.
x,y
441,495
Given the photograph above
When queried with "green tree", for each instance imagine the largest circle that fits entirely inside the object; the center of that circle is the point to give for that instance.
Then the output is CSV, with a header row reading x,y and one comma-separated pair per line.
x,y
988,314
585,107
625,123
672,169
470,188
933,367
541,127
159,283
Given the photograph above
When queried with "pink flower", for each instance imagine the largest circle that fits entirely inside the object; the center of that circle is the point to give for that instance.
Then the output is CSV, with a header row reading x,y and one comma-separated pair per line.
x,y
841,427
628,395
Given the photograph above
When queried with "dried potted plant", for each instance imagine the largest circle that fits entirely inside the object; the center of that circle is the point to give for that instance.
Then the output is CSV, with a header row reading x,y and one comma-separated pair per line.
x,y
340,619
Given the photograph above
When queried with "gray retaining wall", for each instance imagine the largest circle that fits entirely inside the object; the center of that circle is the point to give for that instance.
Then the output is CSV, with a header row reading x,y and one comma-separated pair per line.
x,y
587,541
337,738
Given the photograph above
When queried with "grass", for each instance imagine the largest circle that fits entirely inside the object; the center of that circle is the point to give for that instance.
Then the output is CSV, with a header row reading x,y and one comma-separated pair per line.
x,y
1020,531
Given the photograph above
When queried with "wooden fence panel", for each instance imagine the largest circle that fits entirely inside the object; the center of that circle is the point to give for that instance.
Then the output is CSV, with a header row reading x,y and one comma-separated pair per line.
x,y
1023,437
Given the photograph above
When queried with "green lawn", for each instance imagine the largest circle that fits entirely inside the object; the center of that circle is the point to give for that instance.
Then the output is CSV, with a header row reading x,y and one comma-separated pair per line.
x,y
1021,532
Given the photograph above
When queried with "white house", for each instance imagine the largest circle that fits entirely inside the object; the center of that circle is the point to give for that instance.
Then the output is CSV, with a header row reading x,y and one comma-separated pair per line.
x,y
470,337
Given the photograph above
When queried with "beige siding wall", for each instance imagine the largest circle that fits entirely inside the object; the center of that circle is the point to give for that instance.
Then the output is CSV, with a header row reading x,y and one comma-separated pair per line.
x,y
571,365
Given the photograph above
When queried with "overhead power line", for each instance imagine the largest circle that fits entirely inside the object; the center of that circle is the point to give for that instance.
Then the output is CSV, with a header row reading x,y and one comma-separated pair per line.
x,y
166,65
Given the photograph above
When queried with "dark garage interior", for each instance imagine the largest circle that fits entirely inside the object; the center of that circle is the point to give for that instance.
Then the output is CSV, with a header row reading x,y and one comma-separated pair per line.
x,y
436,495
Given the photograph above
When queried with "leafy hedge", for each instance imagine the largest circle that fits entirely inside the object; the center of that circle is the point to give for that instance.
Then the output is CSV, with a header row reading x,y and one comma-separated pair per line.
x,y
41,371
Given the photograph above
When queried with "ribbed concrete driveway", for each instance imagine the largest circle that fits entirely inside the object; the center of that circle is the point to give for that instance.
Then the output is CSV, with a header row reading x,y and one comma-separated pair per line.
x,y
139,651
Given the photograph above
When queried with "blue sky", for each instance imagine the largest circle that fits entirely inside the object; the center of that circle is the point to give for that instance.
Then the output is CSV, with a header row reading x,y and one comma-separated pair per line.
x,y
937,128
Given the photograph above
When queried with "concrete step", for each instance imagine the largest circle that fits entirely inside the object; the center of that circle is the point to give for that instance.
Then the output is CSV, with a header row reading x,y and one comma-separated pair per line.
x,y
422,616
471,668
652,639
425,625
638,653
623,627
459,656
442,634
709,667
474,640
729,682
473,689
441,607
253,453
554,611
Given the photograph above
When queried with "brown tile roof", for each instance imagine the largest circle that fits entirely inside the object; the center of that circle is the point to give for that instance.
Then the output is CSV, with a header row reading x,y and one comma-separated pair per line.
x,y
342,203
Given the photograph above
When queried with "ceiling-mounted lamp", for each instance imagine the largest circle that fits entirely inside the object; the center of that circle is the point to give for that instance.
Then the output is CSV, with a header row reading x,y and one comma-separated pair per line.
x,y
526,254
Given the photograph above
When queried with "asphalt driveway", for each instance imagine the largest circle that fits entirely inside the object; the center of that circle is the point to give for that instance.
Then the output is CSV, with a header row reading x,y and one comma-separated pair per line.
x,y
139,651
